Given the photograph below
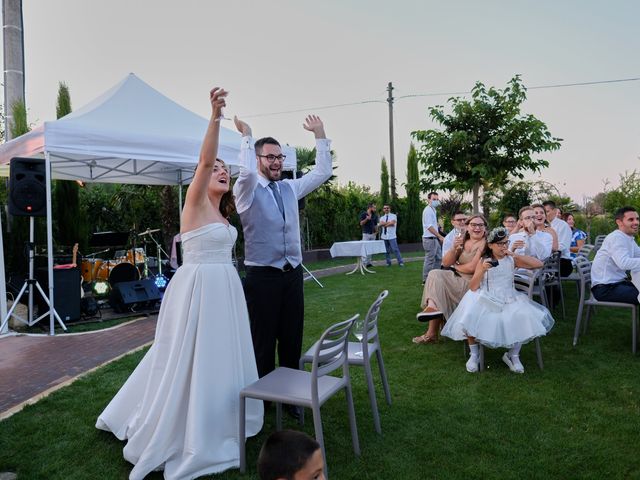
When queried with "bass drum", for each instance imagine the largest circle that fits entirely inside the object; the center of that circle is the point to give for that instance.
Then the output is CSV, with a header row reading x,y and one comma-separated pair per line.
x,y
123,272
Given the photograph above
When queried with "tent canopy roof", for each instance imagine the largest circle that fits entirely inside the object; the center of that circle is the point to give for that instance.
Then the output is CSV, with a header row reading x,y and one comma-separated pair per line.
x,y
130,134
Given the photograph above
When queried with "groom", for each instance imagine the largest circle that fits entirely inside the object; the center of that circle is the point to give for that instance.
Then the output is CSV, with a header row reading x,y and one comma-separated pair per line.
x,y
268,209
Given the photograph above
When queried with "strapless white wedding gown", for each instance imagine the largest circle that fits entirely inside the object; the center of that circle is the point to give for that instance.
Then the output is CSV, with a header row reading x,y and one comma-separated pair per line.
x,y
179,408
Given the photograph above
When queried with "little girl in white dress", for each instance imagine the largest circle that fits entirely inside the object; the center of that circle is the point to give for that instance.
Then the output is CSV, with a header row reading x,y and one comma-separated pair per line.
x,y
492,312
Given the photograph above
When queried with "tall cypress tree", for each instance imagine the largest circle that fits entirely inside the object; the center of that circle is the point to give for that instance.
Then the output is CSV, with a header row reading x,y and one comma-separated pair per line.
x,y
384,182
19,126
66,201
413,215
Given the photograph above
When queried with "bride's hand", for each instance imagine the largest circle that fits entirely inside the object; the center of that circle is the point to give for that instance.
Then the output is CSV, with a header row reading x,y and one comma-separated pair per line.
x,y
217,98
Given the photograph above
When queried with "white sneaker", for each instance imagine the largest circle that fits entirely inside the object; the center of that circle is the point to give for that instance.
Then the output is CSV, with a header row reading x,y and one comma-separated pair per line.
x,y
513,362
473,364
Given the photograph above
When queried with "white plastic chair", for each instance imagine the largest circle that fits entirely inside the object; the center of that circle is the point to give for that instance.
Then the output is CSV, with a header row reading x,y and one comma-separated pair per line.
x,y
361,354
583,267
307,389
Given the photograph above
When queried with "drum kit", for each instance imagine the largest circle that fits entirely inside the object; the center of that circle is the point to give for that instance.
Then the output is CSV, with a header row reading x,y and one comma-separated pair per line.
x,y
126,265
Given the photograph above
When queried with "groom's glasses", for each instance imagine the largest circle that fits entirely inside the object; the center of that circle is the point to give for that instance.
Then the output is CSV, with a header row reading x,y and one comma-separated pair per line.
x,y
272,158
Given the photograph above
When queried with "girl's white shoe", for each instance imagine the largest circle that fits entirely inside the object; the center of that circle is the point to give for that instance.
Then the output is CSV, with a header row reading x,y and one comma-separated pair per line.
x,y
473,364
513,362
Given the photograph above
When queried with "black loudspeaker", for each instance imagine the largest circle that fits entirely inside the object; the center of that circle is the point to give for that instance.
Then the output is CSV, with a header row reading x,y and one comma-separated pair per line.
x,y
27,187
66,292
140,293
89,307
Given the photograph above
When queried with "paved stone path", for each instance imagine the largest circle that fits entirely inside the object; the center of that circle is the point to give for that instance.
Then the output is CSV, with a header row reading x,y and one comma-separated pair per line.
x,y
32,366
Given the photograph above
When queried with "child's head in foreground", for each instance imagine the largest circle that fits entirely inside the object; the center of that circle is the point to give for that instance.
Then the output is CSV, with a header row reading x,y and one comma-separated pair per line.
x,y
290,455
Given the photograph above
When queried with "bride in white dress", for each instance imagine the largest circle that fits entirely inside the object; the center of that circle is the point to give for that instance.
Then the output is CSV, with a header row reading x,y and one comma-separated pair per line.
x,y
178,410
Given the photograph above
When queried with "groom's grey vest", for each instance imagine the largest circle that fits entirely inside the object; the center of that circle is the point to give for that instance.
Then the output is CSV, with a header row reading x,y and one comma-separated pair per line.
x,y
268,239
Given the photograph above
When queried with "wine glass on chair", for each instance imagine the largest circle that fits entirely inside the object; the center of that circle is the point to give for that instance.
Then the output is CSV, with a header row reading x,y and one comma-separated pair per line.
x,y
358,332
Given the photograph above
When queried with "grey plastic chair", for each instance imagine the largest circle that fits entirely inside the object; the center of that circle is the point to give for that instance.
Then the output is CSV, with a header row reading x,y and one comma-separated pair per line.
x,y
583,267
307,389
598,243
525,283
551,276
584,251
361,354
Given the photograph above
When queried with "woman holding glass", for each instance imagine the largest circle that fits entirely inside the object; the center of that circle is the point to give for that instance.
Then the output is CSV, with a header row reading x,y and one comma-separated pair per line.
x,y
444,288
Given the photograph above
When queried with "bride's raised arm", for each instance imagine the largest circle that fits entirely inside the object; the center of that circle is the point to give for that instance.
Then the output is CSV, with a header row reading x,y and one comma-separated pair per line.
x,y
196,200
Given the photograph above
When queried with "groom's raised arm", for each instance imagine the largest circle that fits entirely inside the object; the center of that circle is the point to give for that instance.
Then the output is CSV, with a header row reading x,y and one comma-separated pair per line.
x,y
322,170
245,186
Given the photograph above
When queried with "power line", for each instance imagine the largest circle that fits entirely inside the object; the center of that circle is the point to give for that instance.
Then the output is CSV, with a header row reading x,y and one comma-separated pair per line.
x,y
538,87
438,94
326,107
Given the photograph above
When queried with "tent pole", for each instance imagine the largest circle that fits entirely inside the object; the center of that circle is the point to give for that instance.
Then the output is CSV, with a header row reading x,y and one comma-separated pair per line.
x,y
52,310
47,160
3,287
180,198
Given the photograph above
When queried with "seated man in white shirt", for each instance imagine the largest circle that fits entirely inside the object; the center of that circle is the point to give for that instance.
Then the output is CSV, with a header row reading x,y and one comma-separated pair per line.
x,y
526,240
565,236
619,253
458,220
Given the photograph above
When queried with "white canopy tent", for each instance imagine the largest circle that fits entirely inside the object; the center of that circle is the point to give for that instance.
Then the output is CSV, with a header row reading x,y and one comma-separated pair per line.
x,y
130,134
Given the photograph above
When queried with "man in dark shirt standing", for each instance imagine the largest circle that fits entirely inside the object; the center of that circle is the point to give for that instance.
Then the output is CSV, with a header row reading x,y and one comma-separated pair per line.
x,y
369,224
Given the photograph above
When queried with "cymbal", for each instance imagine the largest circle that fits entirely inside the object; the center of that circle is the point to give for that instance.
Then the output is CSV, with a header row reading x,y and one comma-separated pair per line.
x,y
148,231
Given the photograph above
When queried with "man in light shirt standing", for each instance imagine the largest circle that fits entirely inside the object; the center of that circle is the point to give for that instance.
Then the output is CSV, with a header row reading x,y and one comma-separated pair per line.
x,y
563,230
618,254
431,238
268,209
387,227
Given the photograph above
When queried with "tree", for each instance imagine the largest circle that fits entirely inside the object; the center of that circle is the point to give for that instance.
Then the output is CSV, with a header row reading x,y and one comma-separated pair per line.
x,y
410,225
70,227
514,197
306,159
63,106
484,141
384,182
19,126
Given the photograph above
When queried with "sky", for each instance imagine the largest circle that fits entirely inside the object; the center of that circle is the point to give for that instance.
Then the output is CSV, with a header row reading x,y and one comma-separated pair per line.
x,y
300,55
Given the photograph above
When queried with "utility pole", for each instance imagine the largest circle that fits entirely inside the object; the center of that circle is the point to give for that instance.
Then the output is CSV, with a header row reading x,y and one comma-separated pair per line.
x,y
392,164
13,39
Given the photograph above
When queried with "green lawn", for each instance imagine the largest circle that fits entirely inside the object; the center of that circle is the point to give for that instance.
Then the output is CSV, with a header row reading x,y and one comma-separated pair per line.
x,y
579,418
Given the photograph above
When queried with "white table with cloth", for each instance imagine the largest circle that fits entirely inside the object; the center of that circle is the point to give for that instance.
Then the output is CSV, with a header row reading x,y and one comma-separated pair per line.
x,y
359,249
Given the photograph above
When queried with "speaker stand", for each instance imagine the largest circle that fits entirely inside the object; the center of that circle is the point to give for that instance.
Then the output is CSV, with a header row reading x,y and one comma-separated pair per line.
x,y
29,284
312,275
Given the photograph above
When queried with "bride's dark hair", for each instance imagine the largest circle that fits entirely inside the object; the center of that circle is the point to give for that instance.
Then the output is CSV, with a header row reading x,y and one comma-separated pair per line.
x,y
227,202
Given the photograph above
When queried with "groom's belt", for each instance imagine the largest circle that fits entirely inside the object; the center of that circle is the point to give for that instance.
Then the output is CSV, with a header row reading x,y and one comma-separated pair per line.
x,y
287,268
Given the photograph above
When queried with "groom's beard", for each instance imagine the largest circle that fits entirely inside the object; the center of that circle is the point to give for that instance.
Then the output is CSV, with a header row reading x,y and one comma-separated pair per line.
x,y
271,174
